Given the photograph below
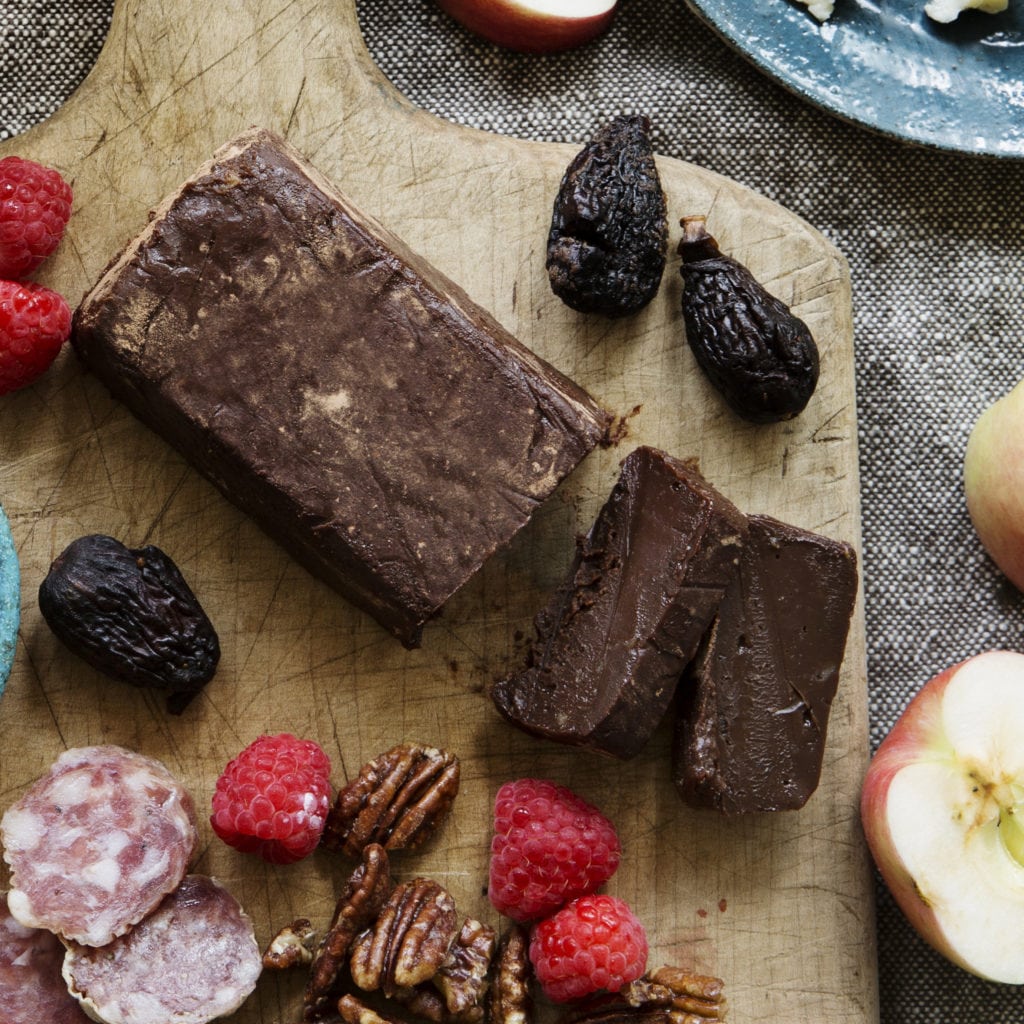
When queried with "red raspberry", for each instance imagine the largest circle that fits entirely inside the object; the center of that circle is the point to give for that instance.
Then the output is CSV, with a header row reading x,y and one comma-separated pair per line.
x,y
35,203
273,798
34,323
549,846
593,944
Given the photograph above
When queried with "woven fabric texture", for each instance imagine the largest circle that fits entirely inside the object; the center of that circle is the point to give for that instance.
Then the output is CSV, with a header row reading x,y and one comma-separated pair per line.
x,y
46,47
934,244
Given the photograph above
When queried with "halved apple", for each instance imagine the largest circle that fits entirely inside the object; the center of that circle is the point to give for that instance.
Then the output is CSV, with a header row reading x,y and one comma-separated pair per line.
x,y
994,483
534,26
943,811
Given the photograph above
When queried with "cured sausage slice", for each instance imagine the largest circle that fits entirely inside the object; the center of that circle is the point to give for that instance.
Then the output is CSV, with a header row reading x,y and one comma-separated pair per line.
x,y
193,959
96,843
31,987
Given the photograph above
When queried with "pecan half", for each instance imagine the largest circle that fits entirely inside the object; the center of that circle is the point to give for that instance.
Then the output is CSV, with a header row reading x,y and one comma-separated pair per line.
x,y
397,800
610,1009
698,997
409,940
463,978
353,1011
509,1000
423,1001
366,893
668,995
292,946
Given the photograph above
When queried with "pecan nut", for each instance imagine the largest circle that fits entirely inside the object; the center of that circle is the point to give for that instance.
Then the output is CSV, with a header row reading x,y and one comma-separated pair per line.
x,y
508,999
354,1011
699,996
292,946
397,800
463,978
366,893
610,1009
668,995
408,942
423,1001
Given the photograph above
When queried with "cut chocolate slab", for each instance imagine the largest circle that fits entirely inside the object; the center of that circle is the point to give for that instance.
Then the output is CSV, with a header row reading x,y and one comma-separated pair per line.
x,y
614,640
754,706
344,393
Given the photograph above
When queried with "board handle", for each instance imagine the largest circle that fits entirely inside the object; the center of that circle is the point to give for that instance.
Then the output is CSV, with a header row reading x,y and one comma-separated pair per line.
x,y
161,71
175,81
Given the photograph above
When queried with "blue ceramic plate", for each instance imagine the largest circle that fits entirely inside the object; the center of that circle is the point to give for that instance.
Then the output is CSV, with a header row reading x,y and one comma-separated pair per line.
x,y
887,66
10,599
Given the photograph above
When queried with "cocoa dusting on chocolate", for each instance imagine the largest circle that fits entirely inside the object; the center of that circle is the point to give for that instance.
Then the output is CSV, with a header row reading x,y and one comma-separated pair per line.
x,y
282,341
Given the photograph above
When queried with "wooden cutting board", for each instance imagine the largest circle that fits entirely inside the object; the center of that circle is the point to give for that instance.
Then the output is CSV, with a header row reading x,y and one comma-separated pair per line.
x,y
779,906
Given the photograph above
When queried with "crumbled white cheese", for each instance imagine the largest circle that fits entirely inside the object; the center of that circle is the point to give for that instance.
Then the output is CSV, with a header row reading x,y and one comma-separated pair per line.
x,y
938,10
821,9
947,10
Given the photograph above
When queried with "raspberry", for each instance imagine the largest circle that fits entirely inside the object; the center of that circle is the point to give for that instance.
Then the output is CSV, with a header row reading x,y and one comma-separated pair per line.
x,y
34,323
549,846
273,798
35,203
594,943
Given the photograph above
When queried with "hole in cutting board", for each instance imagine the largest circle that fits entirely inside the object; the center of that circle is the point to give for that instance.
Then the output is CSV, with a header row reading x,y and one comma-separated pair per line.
x,y
49,48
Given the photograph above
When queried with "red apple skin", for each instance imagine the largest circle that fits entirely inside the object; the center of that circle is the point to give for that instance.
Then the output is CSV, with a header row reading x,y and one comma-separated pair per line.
x,y
506,23
994,483
916,729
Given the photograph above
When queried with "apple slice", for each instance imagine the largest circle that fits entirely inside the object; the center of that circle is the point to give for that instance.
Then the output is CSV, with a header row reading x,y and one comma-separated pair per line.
x,y
534,26
943,811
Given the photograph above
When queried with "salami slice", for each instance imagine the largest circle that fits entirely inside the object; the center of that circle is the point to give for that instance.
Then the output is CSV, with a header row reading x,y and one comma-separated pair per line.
x,y
32,990
193,959
96,843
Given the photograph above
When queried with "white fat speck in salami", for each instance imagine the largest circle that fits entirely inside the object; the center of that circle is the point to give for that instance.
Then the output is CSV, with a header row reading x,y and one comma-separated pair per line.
x,y
32,990
193,959
96,843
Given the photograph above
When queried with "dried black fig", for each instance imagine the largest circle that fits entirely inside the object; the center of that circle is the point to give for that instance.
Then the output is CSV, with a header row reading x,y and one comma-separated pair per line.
x,y
131,615
609,229
754,350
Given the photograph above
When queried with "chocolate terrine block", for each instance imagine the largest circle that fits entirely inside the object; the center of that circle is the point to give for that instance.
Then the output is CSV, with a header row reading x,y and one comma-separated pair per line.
x,y
754,705
615,638
387,431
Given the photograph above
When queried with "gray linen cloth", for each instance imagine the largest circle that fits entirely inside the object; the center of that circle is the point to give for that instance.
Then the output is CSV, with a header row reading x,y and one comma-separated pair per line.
x,y
934,244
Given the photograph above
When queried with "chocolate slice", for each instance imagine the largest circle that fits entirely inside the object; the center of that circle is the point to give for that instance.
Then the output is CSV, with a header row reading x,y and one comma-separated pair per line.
x,y
755,703
340,390
615,638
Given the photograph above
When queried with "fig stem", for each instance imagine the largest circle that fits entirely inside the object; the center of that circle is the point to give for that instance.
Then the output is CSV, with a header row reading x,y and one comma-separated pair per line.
x,y
696,243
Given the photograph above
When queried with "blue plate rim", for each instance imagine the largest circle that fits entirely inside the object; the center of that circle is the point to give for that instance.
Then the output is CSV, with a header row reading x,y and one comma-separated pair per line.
x,y
822,63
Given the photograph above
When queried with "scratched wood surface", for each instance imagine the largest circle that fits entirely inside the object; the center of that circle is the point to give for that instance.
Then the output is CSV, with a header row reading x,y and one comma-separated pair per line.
x,y
779,906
